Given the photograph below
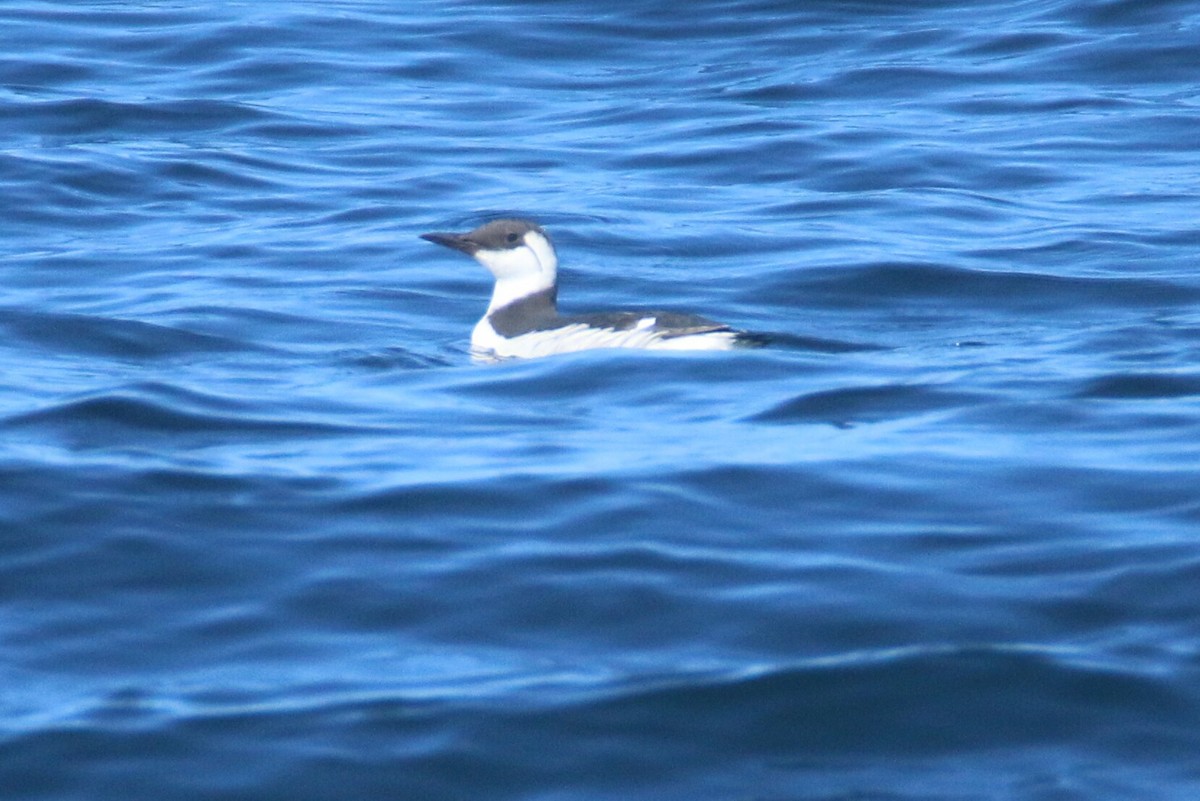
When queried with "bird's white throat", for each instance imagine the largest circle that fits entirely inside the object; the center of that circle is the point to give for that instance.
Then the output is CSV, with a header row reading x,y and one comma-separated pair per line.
x,y
521,271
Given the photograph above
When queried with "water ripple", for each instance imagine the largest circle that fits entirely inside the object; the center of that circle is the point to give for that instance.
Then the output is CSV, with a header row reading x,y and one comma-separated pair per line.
x,y
270,533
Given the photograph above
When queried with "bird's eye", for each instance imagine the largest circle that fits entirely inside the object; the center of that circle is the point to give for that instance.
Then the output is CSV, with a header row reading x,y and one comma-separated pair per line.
x,y
512,237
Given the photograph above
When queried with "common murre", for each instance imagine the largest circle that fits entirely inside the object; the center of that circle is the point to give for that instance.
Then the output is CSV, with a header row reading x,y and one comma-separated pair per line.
x,y
522,319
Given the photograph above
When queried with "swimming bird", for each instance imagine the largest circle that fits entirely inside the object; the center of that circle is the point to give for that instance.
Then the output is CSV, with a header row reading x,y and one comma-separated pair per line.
x,y
522,319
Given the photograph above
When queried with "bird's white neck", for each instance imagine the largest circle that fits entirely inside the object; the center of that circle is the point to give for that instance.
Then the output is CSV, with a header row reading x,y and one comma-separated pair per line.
x,y
520,271
508,290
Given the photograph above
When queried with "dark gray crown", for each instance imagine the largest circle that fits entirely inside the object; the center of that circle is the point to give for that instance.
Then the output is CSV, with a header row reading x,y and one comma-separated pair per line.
x,y
496,235
502,234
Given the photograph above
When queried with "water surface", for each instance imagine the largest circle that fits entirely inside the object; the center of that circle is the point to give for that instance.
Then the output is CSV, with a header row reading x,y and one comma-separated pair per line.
x,y
269,532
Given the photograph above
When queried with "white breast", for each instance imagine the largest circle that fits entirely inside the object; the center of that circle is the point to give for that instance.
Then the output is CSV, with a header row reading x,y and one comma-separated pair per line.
x,y
487,344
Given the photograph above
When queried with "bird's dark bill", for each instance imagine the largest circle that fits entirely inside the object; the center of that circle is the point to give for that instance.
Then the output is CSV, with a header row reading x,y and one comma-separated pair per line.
x,y
453,241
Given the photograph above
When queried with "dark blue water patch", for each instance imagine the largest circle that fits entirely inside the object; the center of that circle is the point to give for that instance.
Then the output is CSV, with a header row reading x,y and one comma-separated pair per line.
x,y
884,82
145,558
189,500
72,190
909,168
147,414
1164,589
123,571
397,358
783,340
1111,255
31,74
210,174
83,118
1143,386
1129,504
848,406
1167,343
623,374
1014,291
89,19
1162,131
903,704
1040,104
282,128
1126,14
485,506
268,331
127,340
996,44
775,729
1114,600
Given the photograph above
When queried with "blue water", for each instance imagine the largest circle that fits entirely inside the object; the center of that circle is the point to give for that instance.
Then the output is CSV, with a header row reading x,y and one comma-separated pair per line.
x,y
268,532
